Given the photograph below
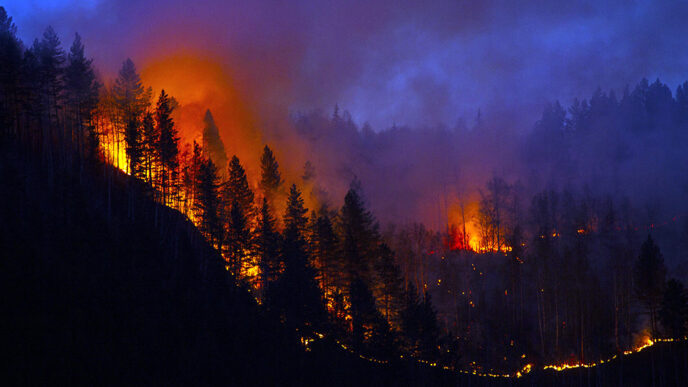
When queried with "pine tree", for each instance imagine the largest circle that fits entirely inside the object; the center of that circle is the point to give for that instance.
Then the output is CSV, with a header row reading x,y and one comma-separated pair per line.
x,y
419,328
324,249
51,58
237,190
295,220
649,279
81,89
10,74
270,179
130,100
238,239
212,143
388,284
133,147
370,331
359,236
149,139
296,294
674,310
167,145
267,243
206,201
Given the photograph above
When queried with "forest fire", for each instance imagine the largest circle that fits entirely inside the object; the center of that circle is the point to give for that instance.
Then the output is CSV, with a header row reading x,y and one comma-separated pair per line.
x,y
386,225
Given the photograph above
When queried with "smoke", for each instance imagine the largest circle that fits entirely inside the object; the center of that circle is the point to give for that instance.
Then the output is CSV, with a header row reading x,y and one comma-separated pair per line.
x,y
417,72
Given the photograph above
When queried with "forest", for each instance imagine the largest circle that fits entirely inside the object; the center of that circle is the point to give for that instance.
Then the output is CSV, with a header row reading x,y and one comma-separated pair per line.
x,y
523,274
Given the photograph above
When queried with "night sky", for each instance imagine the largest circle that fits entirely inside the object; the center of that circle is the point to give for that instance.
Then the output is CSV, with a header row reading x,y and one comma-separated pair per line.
x,y
402,62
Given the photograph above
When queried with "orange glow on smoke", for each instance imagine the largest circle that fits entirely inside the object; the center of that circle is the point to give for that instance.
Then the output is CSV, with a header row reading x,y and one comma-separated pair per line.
x,y
199,83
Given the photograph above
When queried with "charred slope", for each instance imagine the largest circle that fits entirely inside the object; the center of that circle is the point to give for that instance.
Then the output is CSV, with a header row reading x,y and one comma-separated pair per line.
x,y
101,286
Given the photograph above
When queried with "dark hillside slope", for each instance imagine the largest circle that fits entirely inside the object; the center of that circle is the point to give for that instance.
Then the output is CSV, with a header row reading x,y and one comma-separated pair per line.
x,y
99,288
90,297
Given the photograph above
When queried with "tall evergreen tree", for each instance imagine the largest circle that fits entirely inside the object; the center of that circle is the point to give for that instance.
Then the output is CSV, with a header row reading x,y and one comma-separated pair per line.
x,y
238,243
359,235
167,145
324,250
270,179
130,100
267,243
237,190
370,331
388,289
133,147
649,275
212,143
419,328
51,58
674,310
81,89
10,73
149,140
296,294
206,201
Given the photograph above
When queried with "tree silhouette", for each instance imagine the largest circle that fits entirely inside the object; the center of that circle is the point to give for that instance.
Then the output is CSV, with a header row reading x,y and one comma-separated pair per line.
x,y
81,90
237,190
212,143
296,293
270,179
267,243
674,310
649,279
167,145
206,201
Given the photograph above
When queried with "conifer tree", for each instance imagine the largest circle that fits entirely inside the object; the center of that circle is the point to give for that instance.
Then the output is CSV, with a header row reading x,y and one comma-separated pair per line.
x,y
51,58
370,331
237,240
324,250
388,284
419,328
212,143
674,310
167,145
81,89
359,236
270,179
649,275
237,190
296,295
130,100
267,244
149,139
10,73
206,201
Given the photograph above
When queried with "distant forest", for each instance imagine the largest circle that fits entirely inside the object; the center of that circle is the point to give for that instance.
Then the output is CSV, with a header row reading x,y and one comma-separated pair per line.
x,y
562,275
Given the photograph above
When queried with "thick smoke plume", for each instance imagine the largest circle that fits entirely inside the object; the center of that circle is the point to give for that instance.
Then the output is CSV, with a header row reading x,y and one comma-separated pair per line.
x,y
452,90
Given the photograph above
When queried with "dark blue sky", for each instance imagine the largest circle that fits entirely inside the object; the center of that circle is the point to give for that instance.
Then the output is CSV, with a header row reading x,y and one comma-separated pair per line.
x,y
416,63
